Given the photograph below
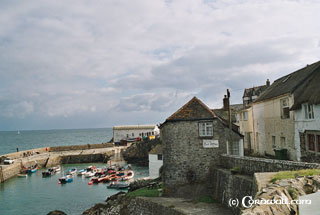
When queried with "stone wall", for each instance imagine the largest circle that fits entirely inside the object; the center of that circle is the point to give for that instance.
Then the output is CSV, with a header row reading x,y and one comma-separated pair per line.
x,y
80,147
186,162
16,155
223,186
250,165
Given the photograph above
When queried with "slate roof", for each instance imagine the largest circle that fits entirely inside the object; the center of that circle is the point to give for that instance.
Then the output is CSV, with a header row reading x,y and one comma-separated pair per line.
x,y
254,91
195,109
303,84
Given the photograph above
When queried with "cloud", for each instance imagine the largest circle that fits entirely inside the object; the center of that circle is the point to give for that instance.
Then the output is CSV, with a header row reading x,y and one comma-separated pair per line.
x,y
100,63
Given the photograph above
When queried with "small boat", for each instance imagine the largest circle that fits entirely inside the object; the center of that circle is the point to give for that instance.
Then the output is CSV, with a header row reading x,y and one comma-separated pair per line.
x,y
89,174
56,168
118,186
48,172
65,179
128,176
22,175
31,170
71,171
82,171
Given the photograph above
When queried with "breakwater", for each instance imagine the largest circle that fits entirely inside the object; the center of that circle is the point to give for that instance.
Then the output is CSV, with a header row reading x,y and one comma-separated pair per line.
x,y
47,157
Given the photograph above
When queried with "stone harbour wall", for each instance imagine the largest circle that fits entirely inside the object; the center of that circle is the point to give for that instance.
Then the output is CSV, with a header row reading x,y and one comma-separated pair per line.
x,y
224,186
80,147
250,165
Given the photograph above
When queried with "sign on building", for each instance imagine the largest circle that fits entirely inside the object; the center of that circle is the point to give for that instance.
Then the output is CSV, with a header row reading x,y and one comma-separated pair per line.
x,y
210,143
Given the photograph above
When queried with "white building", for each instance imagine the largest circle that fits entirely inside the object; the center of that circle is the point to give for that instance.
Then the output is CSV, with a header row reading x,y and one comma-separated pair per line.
x,y
287,116
155,161
131,132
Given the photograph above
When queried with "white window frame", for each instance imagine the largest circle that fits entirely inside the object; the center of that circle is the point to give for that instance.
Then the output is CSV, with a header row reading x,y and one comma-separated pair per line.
x,y
308,111
205,129
283,106
245,115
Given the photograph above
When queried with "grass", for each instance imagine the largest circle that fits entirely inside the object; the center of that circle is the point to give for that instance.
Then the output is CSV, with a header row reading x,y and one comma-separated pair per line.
x,y
293,192
145,192
235,170
293,174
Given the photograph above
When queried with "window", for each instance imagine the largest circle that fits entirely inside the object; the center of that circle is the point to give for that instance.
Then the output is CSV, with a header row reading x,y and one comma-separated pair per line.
x,y
205,129
308,110
159,157
237,117
152,133
311,142
283,142
285,113
245,115
274,141
133,134
127,135
235,148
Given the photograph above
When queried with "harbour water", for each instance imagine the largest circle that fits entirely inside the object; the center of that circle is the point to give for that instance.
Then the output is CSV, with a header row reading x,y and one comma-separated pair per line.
x,y
10,140
38,195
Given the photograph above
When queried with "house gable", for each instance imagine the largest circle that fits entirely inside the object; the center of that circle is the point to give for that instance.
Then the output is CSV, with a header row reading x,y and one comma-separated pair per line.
x,y
192,110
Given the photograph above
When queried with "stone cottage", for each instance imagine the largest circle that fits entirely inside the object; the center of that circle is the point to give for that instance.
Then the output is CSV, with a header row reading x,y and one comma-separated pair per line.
x,y
193,138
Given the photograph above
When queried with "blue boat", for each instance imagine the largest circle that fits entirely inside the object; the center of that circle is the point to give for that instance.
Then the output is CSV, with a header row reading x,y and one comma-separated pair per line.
x,y
29,170
66,179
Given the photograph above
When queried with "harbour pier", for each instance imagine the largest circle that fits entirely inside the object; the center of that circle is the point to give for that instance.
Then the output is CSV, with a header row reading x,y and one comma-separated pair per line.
x,y
48,157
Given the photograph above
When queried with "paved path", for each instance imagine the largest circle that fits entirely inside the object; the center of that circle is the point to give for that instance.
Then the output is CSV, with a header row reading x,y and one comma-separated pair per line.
x,y
189,207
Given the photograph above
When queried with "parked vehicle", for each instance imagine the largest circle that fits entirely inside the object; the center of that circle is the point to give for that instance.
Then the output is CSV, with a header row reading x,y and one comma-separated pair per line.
x,y
8,160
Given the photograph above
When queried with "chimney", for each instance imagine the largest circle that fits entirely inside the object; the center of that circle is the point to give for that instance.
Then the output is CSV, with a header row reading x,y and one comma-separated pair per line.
x,y
225,103
268,83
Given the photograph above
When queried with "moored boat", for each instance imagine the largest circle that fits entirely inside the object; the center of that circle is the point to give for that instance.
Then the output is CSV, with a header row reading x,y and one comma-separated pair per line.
x,y
22,175
31,170
71,171
129,175
66,179
118,186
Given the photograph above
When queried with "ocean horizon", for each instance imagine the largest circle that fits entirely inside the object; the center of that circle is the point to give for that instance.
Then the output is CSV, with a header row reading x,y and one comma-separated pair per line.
x,y
30,139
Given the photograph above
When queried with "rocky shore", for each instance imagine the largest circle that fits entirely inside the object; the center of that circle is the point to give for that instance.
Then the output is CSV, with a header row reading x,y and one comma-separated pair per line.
x,y
287,190
138,152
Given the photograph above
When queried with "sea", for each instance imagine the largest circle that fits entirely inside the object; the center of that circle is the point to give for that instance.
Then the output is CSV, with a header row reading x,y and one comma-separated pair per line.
x,y
38,195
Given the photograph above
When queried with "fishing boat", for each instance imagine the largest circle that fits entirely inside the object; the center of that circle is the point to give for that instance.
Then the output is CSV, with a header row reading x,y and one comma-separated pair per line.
x,y
65,179
118,186
82,172
31,170
56,168
89,174
22,175
48,172
129,175
71,171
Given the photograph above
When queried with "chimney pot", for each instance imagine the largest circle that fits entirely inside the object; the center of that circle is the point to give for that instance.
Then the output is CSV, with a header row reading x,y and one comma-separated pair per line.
x,y
268,83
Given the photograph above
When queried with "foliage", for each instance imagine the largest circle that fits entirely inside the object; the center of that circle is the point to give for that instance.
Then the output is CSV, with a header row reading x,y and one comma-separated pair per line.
x,y
235,170
293,192
294,174
206,199
146,192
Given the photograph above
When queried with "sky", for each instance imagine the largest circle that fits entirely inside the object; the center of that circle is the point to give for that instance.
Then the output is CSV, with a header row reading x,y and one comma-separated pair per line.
x,y
92,64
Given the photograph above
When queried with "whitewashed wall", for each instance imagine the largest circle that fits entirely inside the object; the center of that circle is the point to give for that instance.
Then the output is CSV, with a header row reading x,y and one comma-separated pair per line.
x,y
302,124
122,134
154,165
